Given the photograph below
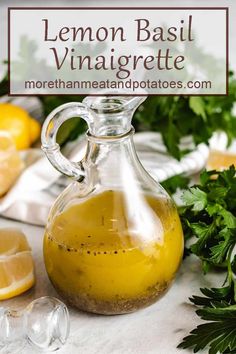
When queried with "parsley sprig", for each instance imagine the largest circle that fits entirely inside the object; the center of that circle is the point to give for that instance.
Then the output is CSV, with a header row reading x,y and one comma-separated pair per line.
x,y
209,223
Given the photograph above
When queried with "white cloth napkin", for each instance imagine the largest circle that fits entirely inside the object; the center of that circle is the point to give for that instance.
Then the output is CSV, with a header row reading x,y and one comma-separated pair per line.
x,y
30,199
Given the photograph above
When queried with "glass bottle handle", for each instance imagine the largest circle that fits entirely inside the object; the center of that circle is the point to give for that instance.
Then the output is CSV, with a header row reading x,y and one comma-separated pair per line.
x,y
49,132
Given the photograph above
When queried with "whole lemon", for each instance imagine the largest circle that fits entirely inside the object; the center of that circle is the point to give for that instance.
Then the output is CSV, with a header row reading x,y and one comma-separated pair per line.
x,y
35,130
18,123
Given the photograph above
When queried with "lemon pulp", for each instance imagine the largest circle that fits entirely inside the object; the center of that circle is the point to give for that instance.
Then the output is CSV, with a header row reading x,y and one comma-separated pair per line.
x,y
16,263
103,260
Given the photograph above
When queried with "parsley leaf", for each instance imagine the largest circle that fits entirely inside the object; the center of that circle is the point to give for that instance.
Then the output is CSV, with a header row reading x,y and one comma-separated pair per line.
x,y
219,335
195,198
197,105
176,182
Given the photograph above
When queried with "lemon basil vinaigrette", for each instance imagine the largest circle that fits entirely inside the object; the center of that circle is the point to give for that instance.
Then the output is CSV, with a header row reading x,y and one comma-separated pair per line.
x,y
103,258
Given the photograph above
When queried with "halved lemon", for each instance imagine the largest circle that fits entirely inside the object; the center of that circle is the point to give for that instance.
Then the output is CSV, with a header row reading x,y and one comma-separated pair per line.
x,y
16,264
220,160
12,241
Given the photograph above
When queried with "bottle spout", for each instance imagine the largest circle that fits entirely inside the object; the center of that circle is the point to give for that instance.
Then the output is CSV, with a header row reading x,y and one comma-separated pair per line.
x,y
105,115
112,114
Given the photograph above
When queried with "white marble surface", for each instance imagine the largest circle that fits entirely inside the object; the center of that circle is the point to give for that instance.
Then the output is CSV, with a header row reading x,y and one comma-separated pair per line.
x,y
155,330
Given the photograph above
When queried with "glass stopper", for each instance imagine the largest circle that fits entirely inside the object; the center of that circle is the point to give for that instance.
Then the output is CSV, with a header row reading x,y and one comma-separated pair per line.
x,y
44,324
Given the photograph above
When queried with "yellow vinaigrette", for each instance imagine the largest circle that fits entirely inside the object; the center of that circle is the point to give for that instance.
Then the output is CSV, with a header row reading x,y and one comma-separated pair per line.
x,y
105,259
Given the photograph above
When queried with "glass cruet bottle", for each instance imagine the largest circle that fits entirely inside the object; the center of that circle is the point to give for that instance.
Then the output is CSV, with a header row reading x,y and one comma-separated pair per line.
x,y
113,241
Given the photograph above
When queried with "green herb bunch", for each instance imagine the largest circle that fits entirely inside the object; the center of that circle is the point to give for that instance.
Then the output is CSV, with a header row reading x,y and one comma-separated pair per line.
x,y
178,116
209,223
